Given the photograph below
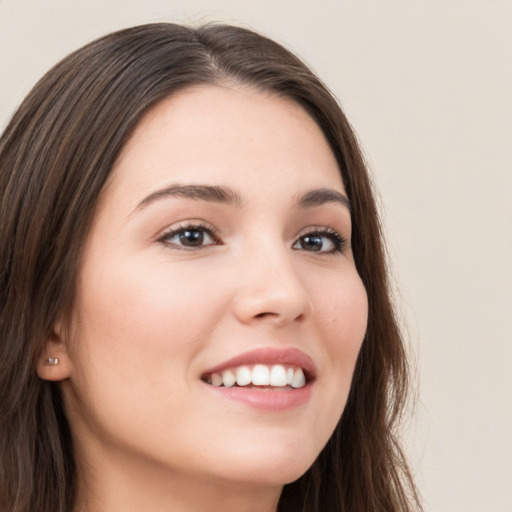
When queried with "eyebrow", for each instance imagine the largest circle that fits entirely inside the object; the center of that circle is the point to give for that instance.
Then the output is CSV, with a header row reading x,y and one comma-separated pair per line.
x,y
210,193
225,195
321,196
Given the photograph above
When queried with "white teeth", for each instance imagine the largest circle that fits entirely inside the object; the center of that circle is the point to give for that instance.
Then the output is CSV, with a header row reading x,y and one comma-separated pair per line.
x,y
278,376
243,376
216,379
299,380
228,378
261,375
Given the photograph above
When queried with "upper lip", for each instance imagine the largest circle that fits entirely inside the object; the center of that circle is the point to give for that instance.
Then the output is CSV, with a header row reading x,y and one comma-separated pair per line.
x,y
269,356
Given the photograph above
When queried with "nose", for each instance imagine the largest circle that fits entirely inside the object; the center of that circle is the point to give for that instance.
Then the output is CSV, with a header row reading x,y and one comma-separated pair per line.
x,y
271,290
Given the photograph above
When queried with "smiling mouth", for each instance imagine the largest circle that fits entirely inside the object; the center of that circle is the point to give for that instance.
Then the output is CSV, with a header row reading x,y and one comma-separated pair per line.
x,y
260,376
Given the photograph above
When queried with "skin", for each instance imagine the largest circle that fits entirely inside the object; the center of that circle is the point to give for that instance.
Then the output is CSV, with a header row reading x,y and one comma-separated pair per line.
x,y
150,315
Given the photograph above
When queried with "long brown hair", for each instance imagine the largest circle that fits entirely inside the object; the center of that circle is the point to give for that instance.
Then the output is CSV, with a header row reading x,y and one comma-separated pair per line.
x,y
55,157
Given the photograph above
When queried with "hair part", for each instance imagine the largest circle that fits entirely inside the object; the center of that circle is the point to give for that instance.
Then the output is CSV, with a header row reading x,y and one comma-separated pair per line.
x,y
57,154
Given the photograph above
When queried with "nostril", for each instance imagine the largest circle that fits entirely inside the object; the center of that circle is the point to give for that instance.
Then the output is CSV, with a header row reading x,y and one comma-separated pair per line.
x,y
270,315
263,315
300,317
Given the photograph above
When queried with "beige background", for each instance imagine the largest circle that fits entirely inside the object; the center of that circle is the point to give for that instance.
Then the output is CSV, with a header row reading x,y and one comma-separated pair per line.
x,y
428,86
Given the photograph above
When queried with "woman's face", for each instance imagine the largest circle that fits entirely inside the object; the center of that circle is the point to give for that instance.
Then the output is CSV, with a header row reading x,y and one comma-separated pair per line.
x,y
220,249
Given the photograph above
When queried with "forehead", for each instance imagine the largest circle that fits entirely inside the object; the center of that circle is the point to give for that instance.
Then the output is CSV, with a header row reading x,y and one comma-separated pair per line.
x,y
230,135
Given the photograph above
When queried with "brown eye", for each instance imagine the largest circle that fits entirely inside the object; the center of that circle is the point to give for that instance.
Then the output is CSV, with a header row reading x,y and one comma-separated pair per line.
x,y
311,243
189,237
327,241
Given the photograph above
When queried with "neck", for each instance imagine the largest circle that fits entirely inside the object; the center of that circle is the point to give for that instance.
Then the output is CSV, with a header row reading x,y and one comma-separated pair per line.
x,y
127,489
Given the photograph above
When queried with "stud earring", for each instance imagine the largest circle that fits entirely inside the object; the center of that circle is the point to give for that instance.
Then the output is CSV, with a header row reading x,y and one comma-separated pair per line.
x,y
51,361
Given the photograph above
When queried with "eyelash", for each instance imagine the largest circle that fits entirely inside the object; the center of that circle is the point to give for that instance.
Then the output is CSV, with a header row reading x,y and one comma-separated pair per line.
x,y
339,242
182,229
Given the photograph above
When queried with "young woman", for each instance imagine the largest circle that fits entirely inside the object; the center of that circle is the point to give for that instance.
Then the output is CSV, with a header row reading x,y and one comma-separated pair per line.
x,y
194,304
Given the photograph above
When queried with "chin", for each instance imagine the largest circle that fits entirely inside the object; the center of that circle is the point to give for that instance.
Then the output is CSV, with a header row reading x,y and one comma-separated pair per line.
x,y
270,467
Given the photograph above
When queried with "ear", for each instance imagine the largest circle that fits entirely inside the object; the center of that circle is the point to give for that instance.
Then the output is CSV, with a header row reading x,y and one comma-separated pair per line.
x,y
54,363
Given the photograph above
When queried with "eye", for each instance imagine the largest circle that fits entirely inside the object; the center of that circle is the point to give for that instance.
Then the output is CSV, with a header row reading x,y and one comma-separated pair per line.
x,y
323,240
190,236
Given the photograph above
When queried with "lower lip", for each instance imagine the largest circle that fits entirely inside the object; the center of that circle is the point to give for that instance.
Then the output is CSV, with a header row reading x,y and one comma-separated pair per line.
x,y
266,399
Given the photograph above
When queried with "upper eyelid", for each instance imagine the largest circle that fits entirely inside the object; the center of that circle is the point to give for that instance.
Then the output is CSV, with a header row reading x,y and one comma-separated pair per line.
x,y
186,224
322,229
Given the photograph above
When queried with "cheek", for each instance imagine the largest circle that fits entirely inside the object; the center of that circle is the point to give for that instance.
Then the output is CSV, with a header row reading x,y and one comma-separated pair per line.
x,y
342,321
143,312
343,314
137,328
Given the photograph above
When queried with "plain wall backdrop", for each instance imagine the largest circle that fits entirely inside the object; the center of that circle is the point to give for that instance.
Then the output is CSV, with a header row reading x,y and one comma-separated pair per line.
x,y
427,85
